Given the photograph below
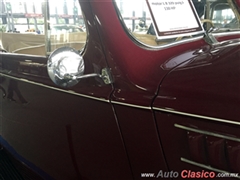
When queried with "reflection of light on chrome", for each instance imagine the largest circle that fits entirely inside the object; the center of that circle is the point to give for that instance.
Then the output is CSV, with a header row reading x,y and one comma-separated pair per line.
x,y
139,87
123,99
69,61
131,105
97,20
170,109
89,23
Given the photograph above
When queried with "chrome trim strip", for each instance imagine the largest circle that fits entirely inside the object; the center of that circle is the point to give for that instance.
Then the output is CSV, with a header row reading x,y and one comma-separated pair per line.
x,y
172,44
206,166
207,133
131,105
26,55
226,33
53,88
197,116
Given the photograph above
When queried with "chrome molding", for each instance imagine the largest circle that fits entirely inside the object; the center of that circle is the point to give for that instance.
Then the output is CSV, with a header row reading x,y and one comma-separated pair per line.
x,y
226,33
124,104
172,44
197,116
74,93
131,105
207,133
54,88
206,167
228,43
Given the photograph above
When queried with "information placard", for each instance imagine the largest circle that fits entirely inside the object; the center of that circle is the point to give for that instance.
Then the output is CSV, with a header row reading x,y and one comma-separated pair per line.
x,y
174,17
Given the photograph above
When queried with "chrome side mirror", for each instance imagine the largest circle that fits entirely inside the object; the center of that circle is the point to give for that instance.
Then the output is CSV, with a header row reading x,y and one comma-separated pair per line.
x,y
66,67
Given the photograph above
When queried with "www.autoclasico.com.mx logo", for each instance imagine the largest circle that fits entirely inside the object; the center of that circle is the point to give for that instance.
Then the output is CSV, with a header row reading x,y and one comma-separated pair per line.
x,y
188,174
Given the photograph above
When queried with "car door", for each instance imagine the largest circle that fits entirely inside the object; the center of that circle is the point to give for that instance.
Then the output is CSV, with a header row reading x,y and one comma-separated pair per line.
x,y
197,106
58,132
137,57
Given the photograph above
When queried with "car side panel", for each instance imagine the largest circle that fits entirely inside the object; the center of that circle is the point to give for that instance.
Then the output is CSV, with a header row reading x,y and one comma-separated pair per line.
x,y
68,133
197,111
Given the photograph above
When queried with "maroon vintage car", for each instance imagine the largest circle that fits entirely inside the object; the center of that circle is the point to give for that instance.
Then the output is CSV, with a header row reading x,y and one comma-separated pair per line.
x,y
148,89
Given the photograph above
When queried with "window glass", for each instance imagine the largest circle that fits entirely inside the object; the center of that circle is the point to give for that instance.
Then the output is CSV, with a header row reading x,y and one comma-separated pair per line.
x,y
224,17
22,26
68,27
138,21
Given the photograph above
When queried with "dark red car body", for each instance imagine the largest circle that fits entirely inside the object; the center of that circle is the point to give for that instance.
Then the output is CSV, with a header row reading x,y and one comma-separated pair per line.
x,y
169,109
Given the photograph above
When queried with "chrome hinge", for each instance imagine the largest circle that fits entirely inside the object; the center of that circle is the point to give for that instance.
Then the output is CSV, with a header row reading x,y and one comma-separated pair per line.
x,y
106,76
210,38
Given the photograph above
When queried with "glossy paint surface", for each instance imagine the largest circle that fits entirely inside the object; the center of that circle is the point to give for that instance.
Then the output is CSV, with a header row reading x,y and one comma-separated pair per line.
x,y
61,137
197,110
238,3
133,126
136,69
68,133
137,72
207,84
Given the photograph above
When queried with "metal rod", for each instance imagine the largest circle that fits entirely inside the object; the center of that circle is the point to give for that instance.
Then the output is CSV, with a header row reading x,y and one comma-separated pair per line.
x,y
47,27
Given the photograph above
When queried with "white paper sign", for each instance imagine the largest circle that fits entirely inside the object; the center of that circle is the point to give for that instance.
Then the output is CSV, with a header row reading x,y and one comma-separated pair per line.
x,y
174,17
